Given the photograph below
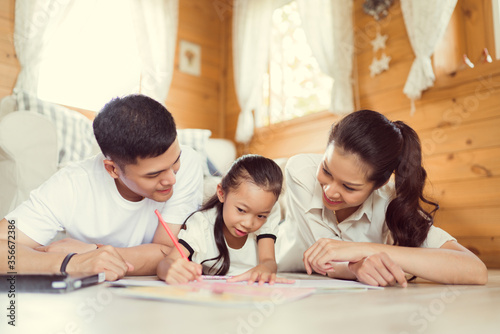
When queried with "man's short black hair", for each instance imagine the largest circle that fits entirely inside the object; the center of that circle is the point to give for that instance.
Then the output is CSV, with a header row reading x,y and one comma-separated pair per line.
x,y
134,126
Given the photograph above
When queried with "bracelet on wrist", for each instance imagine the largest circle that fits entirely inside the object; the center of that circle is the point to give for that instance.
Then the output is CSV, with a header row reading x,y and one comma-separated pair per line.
x,y
65,262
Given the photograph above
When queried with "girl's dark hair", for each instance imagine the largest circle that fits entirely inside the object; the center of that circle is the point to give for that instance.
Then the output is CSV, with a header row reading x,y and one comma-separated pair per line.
x,y
389,147
261,171
134,126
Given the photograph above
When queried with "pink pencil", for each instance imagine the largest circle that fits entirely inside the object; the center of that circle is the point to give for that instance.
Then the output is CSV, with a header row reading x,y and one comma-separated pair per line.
x,y
171,235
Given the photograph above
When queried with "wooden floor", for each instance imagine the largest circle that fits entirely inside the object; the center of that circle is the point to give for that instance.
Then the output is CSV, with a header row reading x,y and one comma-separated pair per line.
x,y
423,307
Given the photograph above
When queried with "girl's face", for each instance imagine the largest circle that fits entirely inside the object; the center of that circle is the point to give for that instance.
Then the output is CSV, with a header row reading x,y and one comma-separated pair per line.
x,y
245,210
343,178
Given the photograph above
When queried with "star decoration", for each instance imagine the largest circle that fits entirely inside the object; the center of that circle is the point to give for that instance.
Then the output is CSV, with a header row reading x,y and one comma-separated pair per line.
x,y
379,42
379,65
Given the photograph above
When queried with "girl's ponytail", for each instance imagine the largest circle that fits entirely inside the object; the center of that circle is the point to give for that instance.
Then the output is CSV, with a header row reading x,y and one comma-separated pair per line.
x,y
408,222
220,241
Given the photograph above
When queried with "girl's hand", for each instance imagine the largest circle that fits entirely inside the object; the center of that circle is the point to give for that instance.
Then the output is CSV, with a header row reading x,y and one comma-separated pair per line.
x,y
378,270
182,271
318,257
259,274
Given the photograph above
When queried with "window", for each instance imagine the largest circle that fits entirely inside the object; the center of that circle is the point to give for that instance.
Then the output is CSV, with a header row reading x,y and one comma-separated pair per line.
x,y
294,85
92,57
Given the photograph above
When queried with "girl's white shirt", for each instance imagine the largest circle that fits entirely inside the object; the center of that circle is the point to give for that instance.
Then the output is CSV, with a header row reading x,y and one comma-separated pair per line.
x,y
199,235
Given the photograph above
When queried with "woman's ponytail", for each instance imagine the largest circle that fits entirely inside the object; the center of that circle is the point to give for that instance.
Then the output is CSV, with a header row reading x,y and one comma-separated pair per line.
x,y
408,222
390,147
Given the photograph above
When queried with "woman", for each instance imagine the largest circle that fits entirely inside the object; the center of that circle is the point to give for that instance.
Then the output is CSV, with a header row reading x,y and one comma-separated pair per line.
x,y
347,219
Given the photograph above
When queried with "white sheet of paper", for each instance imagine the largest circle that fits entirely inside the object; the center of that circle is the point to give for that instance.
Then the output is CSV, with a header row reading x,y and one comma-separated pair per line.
x,y
321,284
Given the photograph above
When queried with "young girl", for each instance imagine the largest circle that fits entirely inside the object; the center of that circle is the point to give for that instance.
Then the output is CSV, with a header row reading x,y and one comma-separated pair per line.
x,y
221,238
345,219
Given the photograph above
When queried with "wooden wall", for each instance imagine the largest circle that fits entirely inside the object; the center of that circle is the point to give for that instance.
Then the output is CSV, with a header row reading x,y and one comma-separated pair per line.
x,y
197,102
9,65
458,120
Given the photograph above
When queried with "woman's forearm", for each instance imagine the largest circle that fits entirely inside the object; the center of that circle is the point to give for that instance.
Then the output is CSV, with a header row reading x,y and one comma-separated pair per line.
x,y
341,271
450,264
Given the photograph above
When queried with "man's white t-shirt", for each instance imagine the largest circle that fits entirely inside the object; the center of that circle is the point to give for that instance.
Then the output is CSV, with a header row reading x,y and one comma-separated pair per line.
x,y
307,219
82,199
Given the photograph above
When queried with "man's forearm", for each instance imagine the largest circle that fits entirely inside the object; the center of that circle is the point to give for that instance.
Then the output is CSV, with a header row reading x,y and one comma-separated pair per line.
x,y
144,258
26,260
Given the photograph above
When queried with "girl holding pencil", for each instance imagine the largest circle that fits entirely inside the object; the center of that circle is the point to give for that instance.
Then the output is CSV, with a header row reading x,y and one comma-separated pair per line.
x,y
233,232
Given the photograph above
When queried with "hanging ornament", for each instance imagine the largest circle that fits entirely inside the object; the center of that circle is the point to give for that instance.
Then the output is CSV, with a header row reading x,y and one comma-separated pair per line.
x,y
379,65
377,8
379,42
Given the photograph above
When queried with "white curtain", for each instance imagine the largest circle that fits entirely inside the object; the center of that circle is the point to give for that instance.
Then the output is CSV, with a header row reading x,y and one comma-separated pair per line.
x,y
34,26
329,30
156,24
426,21
251,33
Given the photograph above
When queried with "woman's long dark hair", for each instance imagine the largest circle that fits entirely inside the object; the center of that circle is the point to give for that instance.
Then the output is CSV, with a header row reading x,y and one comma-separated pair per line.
x,y
261,171
390,147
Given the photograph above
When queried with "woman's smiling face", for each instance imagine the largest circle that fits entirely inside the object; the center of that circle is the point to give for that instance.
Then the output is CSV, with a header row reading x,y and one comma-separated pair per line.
x,y
344,180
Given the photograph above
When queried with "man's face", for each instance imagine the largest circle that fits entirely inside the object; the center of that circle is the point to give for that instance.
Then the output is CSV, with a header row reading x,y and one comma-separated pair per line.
x,y
152,178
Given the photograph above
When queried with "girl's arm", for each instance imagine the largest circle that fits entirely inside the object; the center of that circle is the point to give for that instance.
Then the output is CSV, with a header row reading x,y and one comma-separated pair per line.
x,y
174,269
450,264
265,271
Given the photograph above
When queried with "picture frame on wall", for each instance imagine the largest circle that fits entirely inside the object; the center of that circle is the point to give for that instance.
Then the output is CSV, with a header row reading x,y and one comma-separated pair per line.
x,y
190,58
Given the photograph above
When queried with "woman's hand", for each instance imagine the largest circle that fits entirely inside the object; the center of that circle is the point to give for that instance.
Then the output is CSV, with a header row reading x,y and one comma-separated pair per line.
x,y
378,270
319,256
370,267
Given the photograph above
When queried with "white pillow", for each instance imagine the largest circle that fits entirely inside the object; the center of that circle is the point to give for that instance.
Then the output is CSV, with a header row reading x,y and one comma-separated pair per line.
x,y
7,105
197,139
75,136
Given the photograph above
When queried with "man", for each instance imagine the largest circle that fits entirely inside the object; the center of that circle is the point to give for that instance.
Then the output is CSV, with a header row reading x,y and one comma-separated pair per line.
x,y
106,204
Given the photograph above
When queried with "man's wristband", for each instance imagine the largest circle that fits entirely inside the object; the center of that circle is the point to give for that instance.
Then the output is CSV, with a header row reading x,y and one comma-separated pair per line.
x,y
65,263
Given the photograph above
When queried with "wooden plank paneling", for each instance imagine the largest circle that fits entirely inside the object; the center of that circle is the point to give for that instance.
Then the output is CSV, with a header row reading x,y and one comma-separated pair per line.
x,y
474,193
467,136
9,75
9,65
7,8
453,110
469,222
487,248
8,54
473,164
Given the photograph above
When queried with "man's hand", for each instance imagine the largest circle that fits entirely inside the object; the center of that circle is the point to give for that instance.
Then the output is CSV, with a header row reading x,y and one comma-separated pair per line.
x,y
67,245
105,259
